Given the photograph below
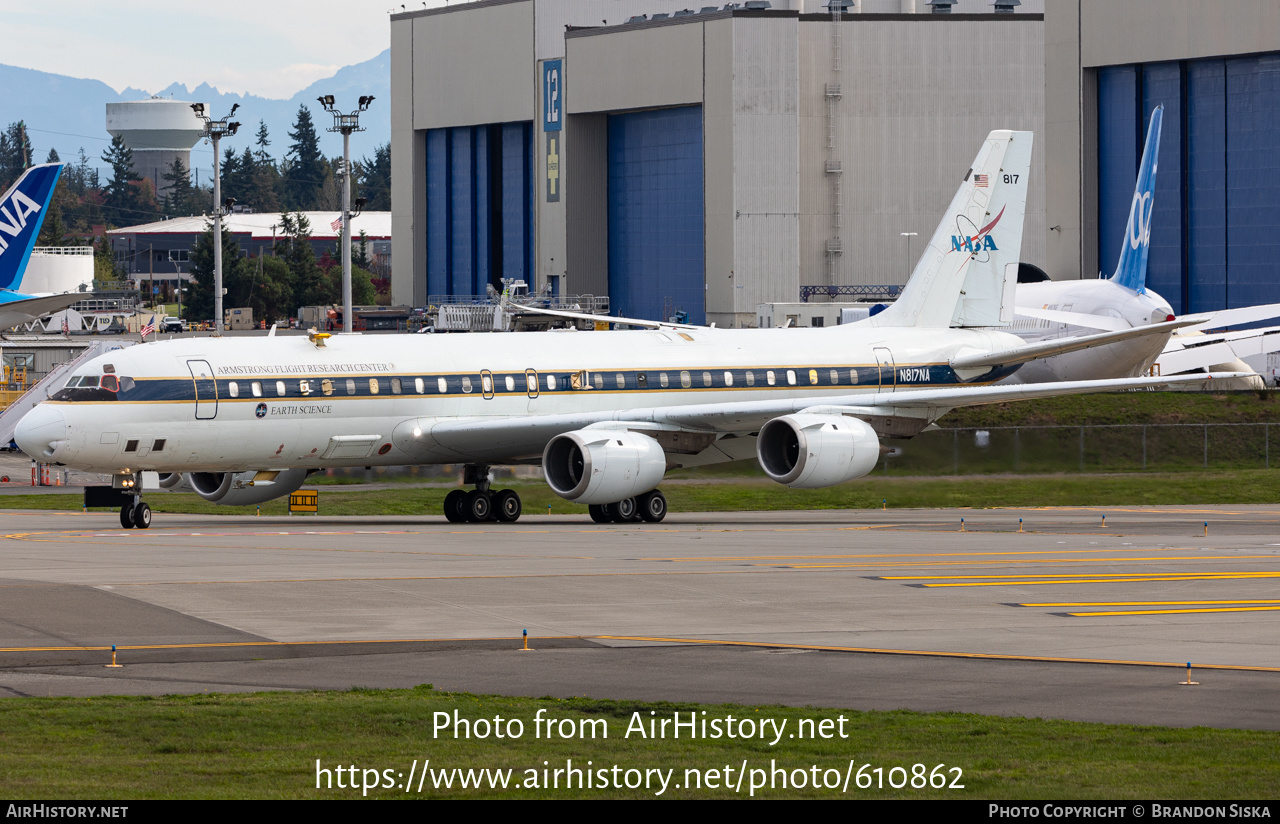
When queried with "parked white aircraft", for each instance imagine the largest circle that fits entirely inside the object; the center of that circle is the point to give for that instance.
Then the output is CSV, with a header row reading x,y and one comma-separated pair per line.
x,y
243,420
22,211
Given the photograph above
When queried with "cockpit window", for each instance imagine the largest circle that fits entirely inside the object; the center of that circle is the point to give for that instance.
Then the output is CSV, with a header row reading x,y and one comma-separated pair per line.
x,y
110,383
89,380
89,388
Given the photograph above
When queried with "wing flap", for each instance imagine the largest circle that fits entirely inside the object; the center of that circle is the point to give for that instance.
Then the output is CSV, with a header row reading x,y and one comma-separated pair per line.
x,y
1048,348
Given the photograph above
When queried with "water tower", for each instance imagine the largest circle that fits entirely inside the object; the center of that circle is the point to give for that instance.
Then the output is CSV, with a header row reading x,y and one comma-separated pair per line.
x,y
157,131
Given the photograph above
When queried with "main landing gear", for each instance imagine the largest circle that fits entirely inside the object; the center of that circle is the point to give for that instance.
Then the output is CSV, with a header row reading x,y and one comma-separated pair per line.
x,y
136,514
650,507
481,503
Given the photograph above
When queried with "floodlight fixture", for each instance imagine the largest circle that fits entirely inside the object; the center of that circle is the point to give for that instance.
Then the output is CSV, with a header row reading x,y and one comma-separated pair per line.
x,y
346,123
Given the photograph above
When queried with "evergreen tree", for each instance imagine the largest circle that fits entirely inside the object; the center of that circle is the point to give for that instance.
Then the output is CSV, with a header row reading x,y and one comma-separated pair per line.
x,y
311,285
122,201
14,154
53,157
181,198
304,172
233,175
264,187
198,304
268,291
375,179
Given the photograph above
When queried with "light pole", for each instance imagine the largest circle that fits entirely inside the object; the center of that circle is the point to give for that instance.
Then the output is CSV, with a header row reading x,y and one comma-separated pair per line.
x,y
214,130
908,236
346,124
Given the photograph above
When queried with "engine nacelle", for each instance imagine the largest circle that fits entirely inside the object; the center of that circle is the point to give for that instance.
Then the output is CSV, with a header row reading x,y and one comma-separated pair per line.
x,y
813,451
175,482
602,466
244,488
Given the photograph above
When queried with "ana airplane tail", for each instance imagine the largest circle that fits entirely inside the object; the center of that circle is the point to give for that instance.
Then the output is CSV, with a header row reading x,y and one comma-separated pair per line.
x,y
1131,271
22,212
963,278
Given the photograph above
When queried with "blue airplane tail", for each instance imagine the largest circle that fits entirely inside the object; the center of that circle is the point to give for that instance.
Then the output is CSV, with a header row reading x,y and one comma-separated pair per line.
x,y
1131,271
22,211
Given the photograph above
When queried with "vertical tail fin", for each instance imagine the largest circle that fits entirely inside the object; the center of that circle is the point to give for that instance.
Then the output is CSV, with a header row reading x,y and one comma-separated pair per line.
x,y
1131,271
22,212
962,278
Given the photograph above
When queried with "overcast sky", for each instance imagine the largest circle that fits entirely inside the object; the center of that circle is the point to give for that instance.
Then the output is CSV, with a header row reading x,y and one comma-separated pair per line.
x,y
271,48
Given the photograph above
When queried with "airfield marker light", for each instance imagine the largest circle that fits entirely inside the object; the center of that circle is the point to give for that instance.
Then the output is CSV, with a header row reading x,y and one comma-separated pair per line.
x,y
1189,682
962,524
1104,521
884,504
1206,529
525,648
1019,524
121,666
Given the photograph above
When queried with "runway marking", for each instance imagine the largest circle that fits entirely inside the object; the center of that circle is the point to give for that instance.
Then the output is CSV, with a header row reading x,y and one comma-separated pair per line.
x,y
515,640
1254,574
1172,611
935,653
1144,603
1137,578
1027,561
977,554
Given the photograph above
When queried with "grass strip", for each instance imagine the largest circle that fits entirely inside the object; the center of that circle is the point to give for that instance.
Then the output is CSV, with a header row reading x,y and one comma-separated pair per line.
x,y
1231,487
265,745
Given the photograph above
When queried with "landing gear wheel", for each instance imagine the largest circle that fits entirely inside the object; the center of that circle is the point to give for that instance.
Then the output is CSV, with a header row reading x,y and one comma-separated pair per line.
x,y
506,505
455,506
478,506
624,511
142,516
601,513
653,506
126,516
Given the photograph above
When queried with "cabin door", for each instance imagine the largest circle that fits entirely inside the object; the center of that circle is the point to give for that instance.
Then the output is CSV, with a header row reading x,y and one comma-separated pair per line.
x,y
888,374
206,389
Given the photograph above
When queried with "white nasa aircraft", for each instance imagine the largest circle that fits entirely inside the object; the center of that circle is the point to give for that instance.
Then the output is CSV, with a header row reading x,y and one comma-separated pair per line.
x,y
22,211
244,420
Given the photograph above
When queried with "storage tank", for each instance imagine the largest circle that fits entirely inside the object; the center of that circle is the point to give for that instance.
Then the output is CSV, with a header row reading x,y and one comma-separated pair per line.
x,y
157,130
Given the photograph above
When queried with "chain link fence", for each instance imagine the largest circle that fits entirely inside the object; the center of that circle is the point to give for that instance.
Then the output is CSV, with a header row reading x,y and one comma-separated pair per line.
x,y
1029,450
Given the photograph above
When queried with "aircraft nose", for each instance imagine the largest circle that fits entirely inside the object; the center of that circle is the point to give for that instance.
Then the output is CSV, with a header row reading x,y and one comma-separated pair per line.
x,y
42,432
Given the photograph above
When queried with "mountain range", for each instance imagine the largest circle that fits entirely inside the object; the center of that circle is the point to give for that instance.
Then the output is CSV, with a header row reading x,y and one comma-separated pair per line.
x,y
69,113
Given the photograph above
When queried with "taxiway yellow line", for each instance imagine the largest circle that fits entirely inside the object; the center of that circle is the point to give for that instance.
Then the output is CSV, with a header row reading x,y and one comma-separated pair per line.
x,y
1146,603
933,653
1175,611
230,644
1075,575
1028,561
1117,580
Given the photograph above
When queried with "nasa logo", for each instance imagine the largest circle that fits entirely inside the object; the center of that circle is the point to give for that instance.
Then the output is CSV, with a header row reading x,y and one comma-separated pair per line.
x,y
261,411
960,243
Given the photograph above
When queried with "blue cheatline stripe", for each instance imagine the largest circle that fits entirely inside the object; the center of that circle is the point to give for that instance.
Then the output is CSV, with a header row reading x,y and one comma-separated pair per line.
x,y
319,388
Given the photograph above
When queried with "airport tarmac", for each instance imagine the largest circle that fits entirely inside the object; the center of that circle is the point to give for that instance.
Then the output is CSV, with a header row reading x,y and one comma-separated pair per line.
x,y
1073,617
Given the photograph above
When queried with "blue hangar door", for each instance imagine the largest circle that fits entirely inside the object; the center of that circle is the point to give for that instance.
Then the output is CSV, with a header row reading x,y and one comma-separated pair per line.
x,y
657,249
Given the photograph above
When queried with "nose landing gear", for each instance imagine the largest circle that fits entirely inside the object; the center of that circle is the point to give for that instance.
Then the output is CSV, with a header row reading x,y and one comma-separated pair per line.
x,y
136,514
482,503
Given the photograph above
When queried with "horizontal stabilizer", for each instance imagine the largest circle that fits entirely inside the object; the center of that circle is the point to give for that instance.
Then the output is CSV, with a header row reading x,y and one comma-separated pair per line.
x,y
1080,319
1049,348
1234,317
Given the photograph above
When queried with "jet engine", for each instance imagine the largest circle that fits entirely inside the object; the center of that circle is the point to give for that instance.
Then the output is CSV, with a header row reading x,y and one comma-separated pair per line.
x,y
812,451
243,488
601,466
175,482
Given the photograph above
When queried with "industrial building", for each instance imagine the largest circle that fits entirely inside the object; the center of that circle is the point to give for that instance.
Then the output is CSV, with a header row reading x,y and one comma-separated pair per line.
x,y
1215,67
702,161
160,252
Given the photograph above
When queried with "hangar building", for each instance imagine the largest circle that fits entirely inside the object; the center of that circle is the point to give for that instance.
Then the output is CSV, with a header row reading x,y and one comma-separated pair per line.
x,y
1215,224
700,160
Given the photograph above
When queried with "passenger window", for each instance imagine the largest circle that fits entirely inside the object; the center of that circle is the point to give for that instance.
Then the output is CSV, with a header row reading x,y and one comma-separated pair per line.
x,y
791,377
728,379
751,378
599,381
486,384
280,390
551,383
419,385
769,377
256,386
813,377
706,378
621,380
233,389
373,386
396,386
685,380
853,376
442,385
511,384
835,377
662,379
466,383
351,386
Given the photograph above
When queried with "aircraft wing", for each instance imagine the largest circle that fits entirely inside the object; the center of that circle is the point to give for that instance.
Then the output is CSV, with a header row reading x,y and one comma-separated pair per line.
x,y
1185,353
1234,317
1048,348
560,313
525,435
17,308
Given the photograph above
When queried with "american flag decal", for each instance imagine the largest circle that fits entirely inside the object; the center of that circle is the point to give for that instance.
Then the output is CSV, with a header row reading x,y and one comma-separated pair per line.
x,y
980,181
